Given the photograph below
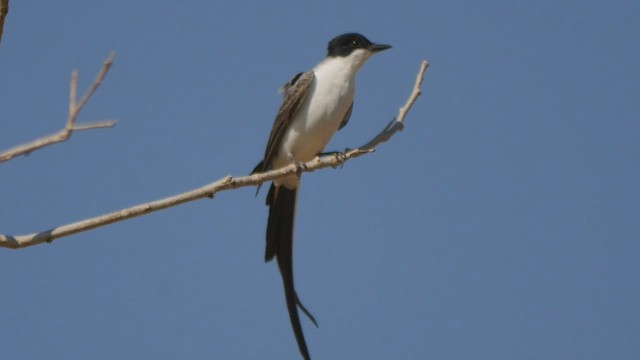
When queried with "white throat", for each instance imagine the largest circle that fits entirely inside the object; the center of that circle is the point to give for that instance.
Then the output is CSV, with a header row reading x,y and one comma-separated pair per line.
x,y
342,67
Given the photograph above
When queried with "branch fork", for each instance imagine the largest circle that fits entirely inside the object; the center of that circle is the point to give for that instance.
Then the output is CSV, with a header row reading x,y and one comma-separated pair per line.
x,y
74,109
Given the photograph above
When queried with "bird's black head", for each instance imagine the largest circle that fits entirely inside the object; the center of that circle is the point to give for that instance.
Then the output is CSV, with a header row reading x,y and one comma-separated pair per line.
x,y
345,44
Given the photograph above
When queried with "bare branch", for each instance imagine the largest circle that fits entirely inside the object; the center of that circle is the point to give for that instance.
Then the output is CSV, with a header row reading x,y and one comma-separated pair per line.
x,y
95,125
73,95
106,65
4,10
397,124
415,93
208,191
74,110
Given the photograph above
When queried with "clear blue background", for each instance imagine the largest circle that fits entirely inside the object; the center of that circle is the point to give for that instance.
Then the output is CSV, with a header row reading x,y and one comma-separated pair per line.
x,y
503,223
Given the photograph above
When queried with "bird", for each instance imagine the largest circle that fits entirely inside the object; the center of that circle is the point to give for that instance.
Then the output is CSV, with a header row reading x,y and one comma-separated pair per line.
x,y
316,104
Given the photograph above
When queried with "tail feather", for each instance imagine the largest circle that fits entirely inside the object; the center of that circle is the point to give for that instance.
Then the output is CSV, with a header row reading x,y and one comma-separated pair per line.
x,y
258,169
282,204
281,213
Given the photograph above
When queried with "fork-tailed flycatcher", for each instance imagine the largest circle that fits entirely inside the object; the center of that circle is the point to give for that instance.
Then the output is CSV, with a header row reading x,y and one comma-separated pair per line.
x,y
316,104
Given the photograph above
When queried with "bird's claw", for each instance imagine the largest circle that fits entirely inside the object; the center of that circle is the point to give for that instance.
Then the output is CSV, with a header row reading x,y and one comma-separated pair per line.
x,y
300,167
342,157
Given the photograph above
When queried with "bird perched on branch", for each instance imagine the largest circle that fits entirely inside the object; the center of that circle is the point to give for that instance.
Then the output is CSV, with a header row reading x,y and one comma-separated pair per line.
x,y
317,104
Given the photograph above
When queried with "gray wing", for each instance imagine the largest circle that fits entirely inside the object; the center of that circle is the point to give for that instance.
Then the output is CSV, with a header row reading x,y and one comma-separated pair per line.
x,y
295,91
347,115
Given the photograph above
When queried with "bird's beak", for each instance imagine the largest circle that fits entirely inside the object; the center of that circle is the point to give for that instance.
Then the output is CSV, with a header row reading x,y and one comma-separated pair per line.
x,y
379,47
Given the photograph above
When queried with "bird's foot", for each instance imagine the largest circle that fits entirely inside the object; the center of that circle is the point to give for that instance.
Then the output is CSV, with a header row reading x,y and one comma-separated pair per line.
x,y
340,156
300,167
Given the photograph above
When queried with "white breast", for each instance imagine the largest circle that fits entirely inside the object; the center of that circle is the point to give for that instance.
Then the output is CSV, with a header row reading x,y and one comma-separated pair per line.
x,y
321,114
319,117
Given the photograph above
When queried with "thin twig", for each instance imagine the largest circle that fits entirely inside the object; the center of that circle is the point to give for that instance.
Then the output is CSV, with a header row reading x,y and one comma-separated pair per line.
x,y
397,124
73,96
74,110
94,125
415,93
4,10
208,191
106,65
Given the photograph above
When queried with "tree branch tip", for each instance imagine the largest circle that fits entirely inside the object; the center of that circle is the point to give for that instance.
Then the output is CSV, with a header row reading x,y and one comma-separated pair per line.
x,y
423,69
110,58
95,125
365,151
423,66
73,95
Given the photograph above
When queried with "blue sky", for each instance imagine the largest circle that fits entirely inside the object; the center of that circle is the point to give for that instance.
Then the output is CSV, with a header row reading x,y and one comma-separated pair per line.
x,y
503,223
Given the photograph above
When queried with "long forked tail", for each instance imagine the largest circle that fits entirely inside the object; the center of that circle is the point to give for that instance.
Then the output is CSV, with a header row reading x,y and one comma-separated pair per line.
x,y
282,204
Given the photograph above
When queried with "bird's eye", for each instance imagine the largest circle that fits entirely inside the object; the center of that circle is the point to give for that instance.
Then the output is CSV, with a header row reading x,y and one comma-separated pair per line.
x,y
354,43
